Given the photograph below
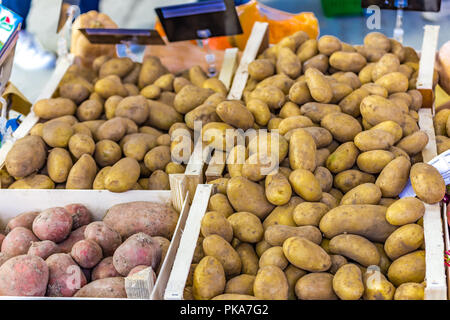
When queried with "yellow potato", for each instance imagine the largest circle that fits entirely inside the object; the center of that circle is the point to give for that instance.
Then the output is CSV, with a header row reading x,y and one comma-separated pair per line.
x,y
342,126
393,177
246,227
273,256
305,185
315,286
427,183
275,235
377,287
306,255
277,188
82,173
215,223
374,161
309,213
347,61
349,179
59,164
410,291
408,268
123,175
404,211
367,193
209,279
343,158
214,245
34,181
302,151
318,85
249,258
271,284
404,240
348,283
356,248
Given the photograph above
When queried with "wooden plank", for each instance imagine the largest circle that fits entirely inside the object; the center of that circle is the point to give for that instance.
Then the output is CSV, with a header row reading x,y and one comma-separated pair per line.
x,y
140,285
31,119
179,189
194,168
229,66
216,165
426,66
447,244
257,40
183,259
436,288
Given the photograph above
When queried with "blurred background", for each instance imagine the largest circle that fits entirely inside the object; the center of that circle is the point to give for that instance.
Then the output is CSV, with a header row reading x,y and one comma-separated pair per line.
x,y
35,52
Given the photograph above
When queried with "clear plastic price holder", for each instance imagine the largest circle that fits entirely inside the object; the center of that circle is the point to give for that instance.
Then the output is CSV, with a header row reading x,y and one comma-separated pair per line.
x,y
400,6
127,37
200,21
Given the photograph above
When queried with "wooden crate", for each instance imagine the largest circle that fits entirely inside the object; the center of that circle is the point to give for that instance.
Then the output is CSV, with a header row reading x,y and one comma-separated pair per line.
x,y
15,201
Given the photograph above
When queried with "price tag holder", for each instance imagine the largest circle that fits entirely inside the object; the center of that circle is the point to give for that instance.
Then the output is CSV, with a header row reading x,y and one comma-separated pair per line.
x,y
411,5
206,19
122,36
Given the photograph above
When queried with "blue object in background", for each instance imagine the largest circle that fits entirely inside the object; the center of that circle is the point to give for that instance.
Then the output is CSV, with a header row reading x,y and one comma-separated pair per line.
x,y
236,2
21,7
11,123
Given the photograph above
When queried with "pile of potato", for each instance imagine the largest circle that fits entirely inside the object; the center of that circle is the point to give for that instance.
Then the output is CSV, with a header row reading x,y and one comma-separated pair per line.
x,y
61,252
328,224
442,130
115,127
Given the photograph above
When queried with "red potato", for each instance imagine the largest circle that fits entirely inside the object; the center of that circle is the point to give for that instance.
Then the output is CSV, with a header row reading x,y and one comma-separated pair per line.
x,y
108,239
154,219
66,277
53,224
105,269
86,253
18,241
3,258
2,237
80,215
104,288
139,249
43,249
164,245
139,269
22,220
74,237
24,275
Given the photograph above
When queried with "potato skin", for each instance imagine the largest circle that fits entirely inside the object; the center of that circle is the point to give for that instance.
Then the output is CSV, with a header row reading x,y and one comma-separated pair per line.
x,y
59,164
273,256
18,241
427,183
408,268
305,185
216,246
377,287
162,116
404,240
113,287
306,255
216,223
343,158
374,161
241,285
318,86
271,283
376,109
302,151
249,258
404,211
347,61
356,248
414,143
349,179
276,235
245,195
315,286
54,108
108,239
260,69
26,156
277,188
157,158
309,213
209,279
62,270
342,126
374,139
366,193
410,291
82,174
365,220
393,177
347,282
247,227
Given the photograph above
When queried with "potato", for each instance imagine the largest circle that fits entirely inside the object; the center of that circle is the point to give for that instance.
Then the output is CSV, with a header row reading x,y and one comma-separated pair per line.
x,y
246,227
427,183
117,66
134,108
343,127
89,110
204,113
22,220
190,97
219,248
343,158
53,224
404,240
104,269
347,61
271,284
283,214
277,188
151,91
328,45
219,203
393,177
414,143
273,257
299,93
374,139
107,153
245,195
376,109
108,239
366,193
288,63
376,286
349,179
404,211
82,174
80,144
391,127
319,62
111,105
157,158
388,63
260,111
216,223
410,291
260,69
271,95
408,268
151,70
375,89
59,164
18,241
340,91
356,248
288,125
302,151
307,50
365,74
337,261
86,253
24,275
123,175
158,180
440,122
136,145
350,103
65,276
325,178
318,85
393,82
309,213
276,235
317,111
236,114
365,220
315,286
248,258
162,116
305,185
306,255
113,129
53,108
138,249
113,287
293,274
240,285
347,282
110,86
76,90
